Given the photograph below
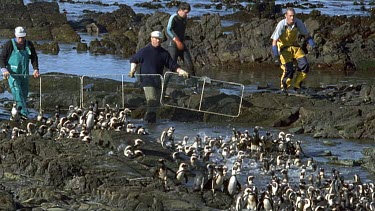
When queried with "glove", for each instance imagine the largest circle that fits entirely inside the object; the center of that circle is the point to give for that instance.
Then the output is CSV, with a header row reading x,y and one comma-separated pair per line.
x,y
276,55
36,73
5,72
179,44
131,74
311,42
183,73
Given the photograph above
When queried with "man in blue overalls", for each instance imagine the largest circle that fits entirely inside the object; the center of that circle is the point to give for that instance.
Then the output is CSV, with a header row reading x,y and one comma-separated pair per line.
x,y
14,62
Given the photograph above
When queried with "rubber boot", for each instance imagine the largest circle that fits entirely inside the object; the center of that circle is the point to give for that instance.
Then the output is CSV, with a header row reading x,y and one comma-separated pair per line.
x,y
300,77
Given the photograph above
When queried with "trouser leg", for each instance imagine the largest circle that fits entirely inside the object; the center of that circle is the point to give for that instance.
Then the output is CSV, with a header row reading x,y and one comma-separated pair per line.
x,y
188,62
287,75
19,88
303,69
152,95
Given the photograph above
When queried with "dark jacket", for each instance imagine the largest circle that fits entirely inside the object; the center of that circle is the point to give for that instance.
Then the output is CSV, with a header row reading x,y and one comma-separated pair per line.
x,y
152,61
8,49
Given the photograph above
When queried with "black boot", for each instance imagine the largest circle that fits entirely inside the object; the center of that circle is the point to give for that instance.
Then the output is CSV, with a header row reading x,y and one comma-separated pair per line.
x,y
150,117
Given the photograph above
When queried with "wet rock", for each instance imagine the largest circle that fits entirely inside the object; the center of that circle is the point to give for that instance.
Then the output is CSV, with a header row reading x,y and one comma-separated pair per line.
x,y
330,143
65,33
369,160
7,202
326,153
82,46
118,20
345,162
50,48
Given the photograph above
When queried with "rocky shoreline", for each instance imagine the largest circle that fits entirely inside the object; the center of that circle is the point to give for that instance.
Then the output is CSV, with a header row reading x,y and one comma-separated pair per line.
x,y
58,172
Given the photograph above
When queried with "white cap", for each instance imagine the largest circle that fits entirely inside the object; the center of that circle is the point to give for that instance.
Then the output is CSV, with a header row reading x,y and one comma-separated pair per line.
x,y
20,31
157,34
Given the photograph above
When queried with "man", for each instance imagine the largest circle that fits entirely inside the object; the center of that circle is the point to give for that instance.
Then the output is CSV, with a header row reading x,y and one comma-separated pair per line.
x,y
14,62
285,49
152,59
176,36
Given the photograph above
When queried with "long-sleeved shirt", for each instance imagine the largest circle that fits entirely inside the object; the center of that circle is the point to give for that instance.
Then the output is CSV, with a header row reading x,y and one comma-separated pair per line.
x,y
176,27
152,60
8,49
287,34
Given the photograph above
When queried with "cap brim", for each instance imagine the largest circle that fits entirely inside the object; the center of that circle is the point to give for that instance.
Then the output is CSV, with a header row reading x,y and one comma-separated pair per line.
x,y
20,34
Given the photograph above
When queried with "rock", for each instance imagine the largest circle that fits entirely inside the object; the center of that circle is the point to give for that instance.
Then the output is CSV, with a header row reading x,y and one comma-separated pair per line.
x,y
345,162
81,47
7,202
326,153
65,33
51,48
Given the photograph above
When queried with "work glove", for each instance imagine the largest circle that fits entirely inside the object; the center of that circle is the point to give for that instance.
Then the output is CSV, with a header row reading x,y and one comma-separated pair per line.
x,y
5,72
179,44
276,55
311,42
183,73
36,73
131,74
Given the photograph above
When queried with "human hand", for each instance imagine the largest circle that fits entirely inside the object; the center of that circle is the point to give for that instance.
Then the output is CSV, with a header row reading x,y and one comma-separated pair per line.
x,y
5,72
183,73
36,73
179,44
131,74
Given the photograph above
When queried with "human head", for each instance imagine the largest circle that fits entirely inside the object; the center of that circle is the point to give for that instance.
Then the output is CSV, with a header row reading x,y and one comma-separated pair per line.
x,y
156,38
289,15
20,33
183,9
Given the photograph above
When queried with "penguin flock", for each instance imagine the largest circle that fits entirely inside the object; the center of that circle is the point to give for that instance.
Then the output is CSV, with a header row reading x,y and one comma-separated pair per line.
x,y
76,123
291,180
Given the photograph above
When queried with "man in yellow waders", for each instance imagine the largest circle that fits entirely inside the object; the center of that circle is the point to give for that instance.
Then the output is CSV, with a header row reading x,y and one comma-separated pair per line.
x,y
285,49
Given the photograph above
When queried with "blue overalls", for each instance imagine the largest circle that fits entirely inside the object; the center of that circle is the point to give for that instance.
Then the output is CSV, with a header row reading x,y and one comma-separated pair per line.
x,y
19,84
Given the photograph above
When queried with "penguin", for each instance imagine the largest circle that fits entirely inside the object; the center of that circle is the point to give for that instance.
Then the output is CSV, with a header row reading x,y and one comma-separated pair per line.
x,y
130,128
233,186
181,175
138,143
265,202
218,178
161,173
90,120
15,113
31,129
167,138
250,199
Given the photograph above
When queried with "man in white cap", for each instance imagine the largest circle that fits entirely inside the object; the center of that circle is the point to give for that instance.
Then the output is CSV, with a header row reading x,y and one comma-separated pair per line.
x,y
152,60
14,63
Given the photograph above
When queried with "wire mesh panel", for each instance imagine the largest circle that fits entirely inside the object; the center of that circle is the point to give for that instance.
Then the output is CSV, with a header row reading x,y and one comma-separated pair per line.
x,y
55,90
202,94
103,89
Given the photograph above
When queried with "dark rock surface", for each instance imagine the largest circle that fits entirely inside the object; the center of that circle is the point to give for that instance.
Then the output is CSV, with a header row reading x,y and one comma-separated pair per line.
x,y
50,170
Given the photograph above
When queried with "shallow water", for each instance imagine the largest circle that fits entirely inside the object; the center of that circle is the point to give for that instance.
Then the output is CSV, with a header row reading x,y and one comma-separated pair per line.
x,y
348,149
